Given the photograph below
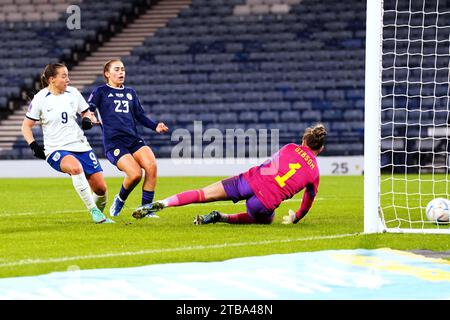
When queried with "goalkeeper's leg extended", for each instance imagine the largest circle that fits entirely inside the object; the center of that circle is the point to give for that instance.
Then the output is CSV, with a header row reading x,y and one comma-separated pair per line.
x,y
214,192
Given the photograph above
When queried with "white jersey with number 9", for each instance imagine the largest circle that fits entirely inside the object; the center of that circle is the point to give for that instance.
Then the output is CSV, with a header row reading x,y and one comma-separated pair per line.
x,y
58,115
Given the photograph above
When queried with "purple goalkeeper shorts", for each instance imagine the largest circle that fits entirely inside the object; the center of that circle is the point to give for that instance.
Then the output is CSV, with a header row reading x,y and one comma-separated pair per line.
x,y
237,188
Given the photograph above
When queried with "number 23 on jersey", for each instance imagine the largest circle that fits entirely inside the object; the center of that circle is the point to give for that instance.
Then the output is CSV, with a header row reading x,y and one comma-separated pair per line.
x,y
122,106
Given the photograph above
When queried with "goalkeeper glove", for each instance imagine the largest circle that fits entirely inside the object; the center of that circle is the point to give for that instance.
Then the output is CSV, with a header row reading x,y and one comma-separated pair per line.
x,y
86,123
38,150
291,218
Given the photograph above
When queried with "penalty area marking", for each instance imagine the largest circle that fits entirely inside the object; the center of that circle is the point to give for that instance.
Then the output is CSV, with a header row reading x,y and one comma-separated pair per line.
x,y
26,262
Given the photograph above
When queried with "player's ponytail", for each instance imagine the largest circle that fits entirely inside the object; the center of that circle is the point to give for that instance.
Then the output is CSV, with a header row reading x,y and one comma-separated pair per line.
x,y
314,137
50,70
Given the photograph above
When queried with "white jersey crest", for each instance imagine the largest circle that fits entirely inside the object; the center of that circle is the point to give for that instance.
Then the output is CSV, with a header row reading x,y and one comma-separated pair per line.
x,y
58,115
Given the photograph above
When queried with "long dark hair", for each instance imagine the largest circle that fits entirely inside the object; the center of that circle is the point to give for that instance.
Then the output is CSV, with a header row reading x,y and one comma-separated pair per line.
x,y
314,137
50,70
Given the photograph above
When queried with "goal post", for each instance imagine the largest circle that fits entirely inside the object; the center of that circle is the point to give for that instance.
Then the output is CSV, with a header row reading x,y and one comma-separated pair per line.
x,y
372,102
406,137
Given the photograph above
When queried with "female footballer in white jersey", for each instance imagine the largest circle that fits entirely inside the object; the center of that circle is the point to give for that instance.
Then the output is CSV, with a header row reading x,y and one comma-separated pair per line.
x,y
66,148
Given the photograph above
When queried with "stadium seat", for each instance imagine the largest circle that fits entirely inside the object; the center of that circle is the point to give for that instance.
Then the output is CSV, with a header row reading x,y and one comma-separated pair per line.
x,y
248,117
269,116
311,115
332,115
228,117
353,115
290,116
302,105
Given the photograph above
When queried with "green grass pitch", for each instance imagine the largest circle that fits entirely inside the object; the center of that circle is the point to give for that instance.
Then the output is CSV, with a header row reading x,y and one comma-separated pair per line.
x,y
45,228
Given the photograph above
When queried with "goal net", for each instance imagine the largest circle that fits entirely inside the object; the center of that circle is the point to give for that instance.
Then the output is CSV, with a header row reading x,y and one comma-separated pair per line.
x,y
407,126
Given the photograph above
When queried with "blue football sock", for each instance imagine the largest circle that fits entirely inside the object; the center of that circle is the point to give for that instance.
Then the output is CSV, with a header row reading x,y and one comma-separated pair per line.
x,y
124,193
147,196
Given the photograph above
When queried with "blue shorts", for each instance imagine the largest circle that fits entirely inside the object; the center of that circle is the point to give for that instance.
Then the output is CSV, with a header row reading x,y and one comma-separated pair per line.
x,y
120,149
237,188
88,160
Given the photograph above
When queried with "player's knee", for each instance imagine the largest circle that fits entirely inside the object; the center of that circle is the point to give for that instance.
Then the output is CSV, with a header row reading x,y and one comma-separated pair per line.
x,y
150,170
100,189
269,220
75,170
135,177
265,219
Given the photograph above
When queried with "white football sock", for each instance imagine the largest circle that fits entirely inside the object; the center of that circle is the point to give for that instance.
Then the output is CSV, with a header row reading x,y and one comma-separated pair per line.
x,y
100,201
83,189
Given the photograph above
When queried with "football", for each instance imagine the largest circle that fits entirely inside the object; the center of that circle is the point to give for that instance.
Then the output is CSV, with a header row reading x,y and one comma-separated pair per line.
x,y
438,210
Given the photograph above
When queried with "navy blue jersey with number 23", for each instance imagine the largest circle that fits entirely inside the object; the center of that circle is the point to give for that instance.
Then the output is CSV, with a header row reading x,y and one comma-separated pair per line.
x,y
119,109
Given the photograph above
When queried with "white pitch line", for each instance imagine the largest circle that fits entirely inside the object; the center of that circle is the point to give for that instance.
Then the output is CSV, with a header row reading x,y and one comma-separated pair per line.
x,y
39,213
154,251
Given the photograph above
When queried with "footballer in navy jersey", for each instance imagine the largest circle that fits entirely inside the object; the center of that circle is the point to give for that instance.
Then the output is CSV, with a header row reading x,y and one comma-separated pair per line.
x,y
120,112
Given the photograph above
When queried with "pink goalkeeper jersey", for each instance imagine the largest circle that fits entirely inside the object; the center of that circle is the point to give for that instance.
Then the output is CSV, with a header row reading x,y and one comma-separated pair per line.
x,y
289,171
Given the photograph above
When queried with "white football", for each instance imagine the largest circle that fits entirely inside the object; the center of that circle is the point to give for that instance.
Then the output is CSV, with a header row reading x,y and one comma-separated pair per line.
x,y
438,210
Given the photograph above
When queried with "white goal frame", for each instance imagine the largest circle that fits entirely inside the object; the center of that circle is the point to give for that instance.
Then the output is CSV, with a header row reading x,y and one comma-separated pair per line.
x,y
373,217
